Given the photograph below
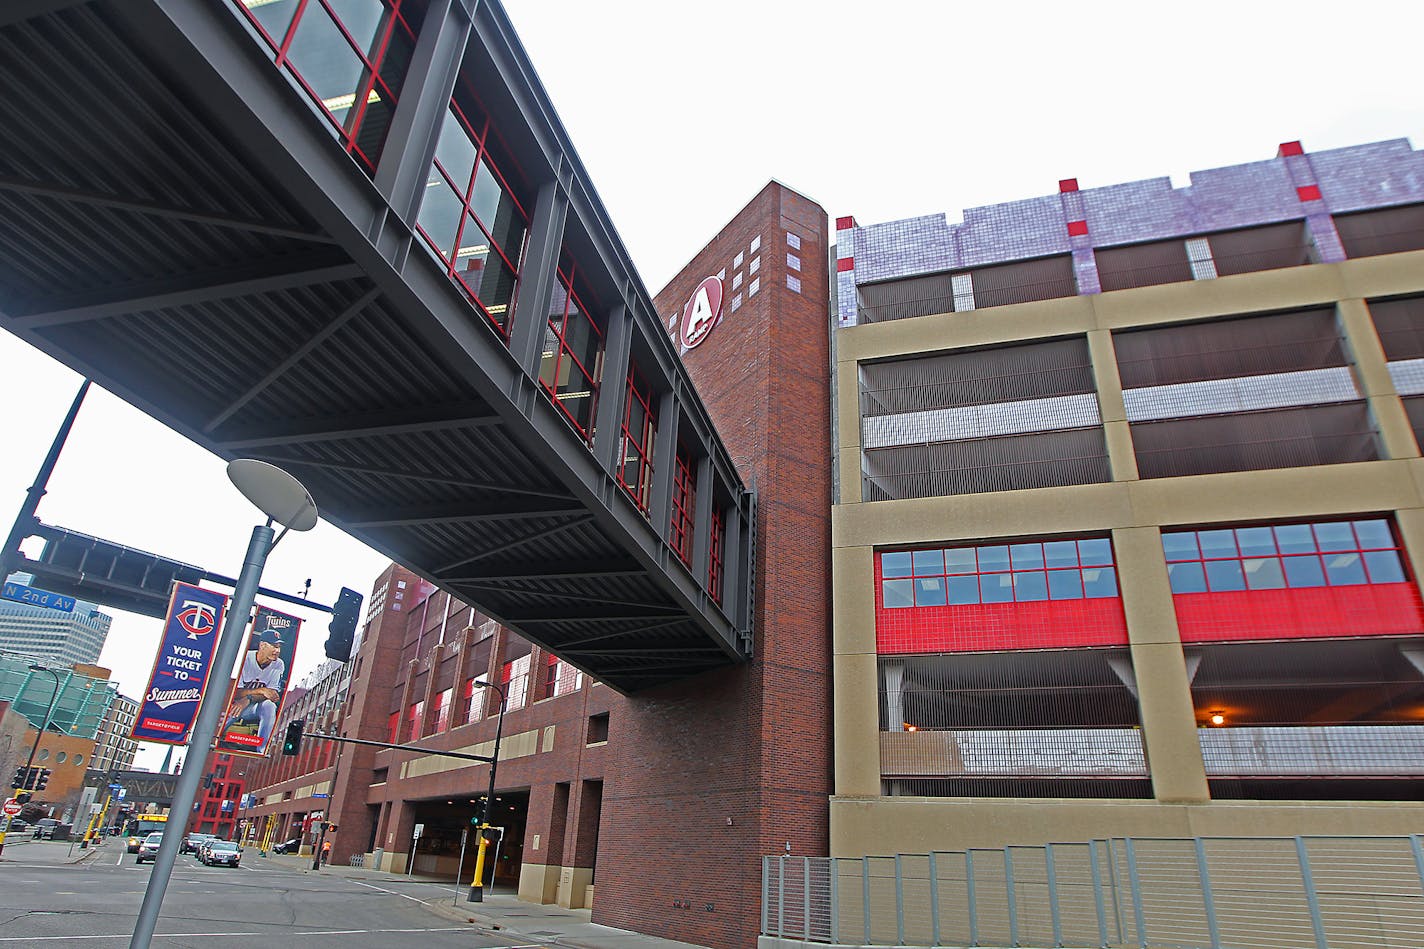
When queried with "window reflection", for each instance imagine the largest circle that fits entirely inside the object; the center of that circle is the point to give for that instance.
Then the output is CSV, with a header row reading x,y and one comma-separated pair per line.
x,y
351,56
998,573
1286,556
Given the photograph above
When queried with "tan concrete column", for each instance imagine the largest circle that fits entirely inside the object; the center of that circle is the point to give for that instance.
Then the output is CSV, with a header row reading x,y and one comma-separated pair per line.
x,y
1169,728
1372,376
1411,532
1121,456
853,670
848,464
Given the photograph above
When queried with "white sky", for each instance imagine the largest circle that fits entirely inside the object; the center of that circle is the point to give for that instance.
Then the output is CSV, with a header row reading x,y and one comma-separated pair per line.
x,y
682,112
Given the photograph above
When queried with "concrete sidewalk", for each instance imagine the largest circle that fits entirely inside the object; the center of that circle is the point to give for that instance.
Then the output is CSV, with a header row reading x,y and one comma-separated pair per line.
x,y
501,911
22,847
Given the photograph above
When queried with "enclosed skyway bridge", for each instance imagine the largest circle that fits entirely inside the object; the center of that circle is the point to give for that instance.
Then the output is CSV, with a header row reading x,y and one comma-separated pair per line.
x,y
352,239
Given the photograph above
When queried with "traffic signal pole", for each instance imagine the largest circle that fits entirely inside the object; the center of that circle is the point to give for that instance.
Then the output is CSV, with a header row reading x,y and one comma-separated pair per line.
x,y
25,519
477,885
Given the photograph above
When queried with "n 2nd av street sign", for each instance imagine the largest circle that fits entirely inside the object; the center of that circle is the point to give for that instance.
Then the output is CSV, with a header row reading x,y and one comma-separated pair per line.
x,y
34,596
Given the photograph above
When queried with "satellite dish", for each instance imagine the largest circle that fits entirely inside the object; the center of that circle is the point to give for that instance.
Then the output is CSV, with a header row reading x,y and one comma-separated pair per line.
x,y
274,492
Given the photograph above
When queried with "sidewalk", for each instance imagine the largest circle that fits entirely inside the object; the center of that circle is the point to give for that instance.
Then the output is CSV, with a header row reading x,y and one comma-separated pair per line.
x,y
21,847
502,911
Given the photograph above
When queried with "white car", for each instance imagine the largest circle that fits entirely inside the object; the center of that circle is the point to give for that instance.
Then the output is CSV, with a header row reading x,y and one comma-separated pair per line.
x,y
148,850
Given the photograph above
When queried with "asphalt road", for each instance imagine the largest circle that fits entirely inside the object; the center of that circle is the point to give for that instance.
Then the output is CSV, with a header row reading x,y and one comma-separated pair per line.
x,y
45,902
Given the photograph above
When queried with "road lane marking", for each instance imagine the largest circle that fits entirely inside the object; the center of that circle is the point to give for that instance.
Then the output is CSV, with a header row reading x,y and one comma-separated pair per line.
x,y
391,892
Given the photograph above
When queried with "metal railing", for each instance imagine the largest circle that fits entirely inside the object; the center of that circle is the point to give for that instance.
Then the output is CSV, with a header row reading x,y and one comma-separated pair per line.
x,y
1132,893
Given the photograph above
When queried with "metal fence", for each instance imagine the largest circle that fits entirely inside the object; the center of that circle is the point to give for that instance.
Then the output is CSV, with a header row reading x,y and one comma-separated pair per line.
x,y
1134,893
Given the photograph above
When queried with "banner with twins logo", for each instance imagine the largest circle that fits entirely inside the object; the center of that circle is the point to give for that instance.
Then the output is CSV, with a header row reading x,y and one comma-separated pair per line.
x,y
182,666
261,684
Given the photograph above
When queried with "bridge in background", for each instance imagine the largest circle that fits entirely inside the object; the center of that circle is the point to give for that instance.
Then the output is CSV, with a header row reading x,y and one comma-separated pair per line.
x,y
354,240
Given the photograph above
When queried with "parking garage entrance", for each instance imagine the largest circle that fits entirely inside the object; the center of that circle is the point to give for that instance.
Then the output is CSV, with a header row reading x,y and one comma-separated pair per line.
x,y
443,823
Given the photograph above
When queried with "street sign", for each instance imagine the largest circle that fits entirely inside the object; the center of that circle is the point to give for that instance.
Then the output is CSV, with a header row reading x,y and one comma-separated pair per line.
x,y
12,808
34,596
321,795
419,829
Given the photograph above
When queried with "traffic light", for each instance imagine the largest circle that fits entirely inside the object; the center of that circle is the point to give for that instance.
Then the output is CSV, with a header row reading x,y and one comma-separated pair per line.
x,y
292,744
21,778
41,779
345,614
23,797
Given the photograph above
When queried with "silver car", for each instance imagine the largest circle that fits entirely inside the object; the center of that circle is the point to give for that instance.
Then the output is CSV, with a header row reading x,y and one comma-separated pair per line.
x,y
222,853
148,850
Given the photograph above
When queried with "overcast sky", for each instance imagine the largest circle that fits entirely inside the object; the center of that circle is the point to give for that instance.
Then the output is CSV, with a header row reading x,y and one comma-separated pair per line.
x,y
681,113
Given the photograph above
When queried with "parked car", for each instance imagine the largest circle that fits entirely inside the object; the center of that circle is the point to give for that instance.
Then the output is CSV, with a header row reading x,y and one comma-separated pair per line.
x,y
148,850
18,826
192,842
47,828
222,853
288,846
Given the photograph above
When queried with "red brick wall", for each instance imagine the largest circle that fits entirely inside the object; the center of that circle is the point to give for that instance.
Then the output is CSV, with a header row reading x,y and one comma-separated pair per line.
x,y
706,776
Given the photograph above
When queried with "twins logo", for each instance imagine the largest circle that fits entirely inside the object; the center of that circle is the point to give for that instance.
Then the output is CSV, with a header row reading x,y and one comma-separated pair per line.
x,y
198,618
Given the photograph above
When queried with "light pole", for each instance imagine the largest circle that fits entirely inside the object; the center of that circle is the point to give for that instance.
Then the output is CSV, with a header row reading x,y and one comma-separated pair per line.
x,y
477,886
39,733
283,499
49,714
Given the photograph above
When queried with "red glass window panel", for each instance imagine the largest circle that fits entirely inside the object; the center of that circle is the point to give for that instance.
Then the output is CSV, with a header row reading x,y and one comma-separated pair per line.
x,y
715,555
1025,595
442,712
684,505
572,366
416,709
1289,581
514,675
474,701
635,464
551,675
393,728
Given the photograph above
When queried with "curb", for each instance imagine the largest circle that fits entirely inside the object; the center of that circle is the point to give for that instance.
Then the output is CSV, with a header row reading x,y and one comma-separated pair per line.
x,y
83,855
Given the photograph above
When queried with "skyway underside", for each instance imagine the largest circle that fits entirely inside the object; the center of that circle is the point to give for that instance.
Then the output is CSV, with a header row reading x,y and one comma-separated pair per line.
x,y
178,226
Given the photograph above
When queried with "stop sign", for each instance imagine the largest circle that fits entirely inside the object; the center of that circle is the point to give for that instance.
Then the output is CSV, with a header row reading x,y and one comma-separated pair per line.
x,y
12,808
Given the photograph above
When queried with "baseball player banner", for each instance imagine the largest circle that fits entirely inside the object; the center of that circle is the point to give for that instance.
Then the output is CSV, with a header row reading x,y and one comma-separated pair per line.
x,y
261,684
182,666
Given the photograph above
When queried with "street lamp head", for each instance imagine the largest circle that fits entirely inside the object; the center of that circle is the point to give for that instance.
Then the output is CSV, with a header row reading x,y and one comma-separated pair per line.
x,y
274,492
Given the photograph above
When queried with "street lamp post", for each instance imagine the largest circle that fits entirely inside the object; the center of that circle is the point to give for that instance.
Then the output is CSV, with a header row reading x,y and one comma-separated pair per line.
x,y
49,713
477,890
39,733
283,499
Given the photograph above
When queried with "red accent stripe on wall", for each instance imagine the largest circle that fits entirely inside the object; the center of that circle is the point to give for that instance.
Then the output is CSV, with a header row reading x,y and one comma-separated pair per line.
x,y
1389,609
990,627
844,264
1290,148
1077,228
845,223
1066,185
1308,192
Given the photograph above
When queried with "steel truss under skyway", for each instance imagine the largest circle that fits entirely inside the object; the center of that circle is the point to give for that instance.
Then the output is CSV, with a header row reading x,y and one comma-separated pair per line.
x,y
192,217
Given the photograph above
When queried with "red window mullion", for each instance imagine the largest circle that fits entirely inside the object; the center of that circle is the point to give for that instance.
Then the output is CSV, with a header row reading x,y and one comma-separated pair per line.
x,y
285,46
494,244
714,556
